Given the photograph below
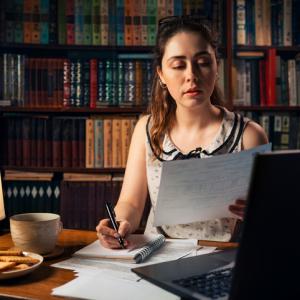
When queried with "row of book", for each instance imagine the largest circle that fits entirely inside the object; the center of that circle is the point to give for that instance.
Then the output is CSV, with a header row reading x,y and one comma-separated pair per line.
x,y
97,22
267,22
266,81
66,142
91,82
78,198
283,129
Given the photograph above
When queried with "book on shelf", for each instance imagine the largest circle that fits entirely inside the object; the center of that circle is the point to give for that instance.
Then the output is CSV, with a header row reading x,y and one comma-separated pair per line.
x,y
23,175
141,246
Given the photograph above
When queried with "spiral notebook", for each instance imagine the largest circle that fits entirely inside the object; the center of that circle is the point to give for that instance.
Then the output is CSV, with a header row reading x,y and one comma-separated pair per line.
x,y
141,246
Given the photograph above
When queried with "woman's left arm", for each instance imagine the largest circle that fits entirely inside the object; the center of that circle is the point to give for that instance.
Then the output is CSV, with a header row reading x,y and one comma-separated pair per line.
x,y
254,135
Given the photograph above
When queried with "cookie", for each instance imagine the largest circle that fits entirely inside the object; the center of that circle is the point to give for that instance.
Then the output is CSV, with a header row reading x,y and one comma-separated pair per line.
x,y
20,267
19,259
11,252
6,265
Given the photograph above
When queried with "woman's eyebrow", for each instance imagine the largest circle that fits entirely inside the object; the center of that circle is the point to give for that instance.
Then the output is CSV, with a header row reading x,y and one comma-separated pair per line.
x,y
200,53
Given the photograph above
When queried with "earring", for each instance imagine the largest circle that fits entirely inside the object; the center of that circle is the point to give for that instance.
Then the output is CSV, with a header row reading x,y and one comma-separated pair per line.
x,y
162,85
217,76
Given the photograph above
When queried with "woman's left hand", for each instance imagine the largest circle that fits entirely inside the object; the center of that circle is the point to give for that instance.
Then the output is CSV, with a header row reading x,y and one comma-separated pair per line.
x,y
238,208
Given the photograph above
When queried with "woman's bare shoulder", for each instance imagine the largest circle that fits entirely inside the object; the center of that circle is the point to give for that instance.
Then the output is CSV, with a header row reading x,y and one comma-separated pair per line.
x,y
254,135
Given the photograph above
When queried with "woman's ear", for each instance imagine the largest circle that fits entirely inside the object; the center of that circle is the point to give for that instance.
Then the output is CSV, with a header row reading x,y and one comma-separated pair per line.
x,y
160,75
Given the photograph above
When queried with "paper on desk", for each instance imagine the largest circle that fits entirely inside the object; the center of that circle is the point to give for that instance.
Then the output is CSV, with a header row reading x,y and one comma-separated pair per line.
x,y
202,189
98,285
98,278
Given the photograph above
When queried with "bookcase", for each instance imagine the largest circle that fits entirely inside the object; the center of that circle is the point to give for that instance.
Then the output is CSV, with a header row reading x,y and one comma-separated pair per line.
x,y
75,76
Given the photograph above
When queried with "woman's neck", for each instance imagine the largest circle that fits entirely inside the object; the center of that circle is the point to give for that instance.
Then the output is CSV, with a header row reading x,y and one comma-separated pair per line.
x,y
198,118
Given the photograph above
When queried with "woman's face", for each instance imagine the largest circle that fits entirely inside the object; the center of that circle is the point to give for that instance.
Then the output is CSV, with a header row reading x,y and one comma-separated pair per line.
x,y
189,69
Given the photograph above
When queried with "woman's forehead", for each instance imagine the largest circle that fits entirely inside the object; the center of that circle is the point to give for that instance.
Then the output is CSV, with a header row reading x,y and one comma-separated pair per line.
x,y
187,43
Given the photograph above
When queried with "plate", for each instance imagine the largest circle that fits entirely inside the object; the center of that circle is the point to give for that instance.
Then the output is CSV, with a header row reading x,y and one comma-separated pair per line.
x,y
17,273
57,251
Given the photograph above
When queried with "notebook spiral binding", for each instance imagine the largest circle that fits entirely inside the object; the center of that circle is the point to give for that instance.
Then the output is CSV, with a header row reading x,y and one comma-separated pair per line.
x,y
149,248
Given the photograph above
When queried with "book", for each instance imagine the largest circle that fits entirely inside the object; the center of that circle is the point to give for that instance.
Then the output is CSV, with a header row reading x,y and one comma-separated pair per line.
x,y
141,246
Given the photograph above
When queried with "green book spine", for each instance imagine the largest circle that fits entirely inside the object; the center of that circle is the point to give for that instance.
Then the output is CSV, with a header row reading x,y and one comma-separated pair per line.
x,y
152,16
62,24
87,22
96,37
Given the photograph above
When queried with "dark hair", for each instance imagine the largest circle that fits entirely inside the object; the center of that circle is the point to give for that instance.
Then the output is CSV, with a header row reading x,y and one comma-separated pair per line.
x,y
162,106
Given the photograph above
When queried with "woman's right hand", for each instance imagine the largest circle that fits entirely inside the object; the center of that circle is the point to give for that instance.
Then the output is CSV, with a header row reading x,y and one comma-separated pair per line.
x,y
108,237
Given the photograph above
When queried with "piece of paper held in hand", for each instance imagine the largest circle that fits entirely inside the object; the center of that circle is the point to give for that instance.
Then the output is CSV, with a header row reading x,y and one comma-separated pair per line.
x,y
202,189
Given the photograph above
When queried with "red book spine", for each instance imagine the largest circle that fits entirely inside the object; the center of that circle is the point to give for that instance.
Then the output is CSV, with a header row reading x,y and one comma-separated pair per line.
x,y
81,143
11,141
60,83
93,82
48,142
40,145
56,143
26,142
33,143
271,77
70,22
19,141
75,143
67,82
66,143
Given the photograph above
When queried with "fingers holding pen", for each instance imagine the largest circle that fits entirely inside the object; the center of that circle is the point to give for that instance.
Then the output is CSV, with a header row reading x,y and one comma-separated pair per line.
x,y
107,236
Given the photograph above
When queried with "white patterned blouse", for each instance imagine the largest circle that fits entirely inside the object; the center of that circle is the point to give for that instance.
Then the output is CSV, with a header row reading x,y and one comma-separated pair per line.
x,y
228,139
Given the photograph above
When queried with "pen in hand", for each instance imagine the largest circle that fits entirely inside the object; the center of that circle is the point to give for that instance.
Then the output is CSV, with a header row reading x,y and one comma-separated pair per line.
x,y
112,218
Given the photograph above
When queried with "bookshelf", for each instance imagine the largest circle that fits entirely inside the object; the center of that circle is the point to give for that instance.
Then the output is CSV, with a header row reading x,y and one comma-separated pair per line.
x,y
49,41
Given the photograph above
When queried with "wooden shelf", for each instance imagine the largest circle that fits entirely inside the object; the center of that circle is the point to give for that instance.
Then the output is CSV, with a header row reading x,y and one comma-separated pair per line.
x,y
59,48
264,48
64,170
267,108
73,110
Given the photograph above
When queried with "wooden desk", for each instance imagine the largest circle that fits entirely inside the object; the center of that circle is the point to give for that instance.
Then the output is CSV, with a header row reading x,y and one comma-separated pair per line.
x,y
39,284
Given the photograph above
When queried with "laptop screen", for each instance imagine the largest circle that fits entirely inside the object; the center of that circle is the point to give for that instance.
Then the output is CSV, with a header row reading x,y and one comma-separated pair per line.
x,y
268,256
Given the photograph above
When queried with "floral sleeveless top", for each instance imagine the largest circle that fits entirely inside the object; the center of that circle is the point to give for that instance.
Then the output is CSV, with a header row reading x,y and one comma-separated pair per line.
x,y
228,140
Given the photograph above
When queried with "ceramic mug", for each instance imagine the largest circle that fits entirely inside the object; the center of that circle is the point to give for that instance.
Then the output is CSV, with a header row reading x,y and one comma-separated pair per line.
x,y
35,232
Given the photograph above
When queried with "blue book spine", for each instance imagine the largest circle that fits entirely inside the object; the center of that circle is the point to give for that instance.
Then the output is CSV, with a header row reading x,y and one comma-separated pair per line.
x,y
44,21
112,34
101,82
79,22
178,8
18,22
250,24
99,154
296,22
120,22
120,71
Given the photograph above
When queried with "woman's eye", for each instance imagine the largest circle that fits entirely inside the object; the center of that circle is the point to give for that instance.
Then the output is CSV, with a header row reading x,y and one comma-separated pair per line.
x,y
204,63
178,66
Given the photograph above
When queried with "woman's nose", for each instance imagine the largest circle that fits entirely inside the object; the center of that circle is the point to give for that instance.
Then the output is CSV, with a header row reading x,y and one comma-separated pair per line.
x,y
192,74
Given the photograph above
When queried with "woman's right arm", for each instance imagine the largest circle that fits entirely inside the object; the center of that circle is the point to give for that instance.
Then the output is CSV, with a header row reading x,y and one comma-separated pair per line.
x,y
130,206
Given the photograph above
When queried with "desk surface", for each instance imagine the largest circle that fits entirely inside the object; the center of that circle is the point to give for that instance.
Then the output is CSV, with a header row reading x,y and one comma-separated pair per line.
x,y
39,284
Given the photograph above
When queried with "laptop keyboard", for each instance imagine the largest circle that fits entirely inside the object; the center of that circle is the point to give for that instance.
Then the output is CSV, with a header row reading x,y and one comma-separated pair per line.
x,y
213,285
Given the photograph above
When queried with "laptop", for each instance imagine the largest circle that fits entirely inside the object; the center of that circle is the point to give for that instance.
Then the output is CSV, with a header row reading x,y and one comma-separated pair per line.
x,y
267,263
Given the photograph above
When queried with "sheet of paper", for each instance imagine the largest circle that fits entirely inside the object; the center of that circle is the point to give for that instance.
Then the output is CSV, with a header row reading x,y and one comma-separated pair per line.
x,y
98,278
110,287
202,189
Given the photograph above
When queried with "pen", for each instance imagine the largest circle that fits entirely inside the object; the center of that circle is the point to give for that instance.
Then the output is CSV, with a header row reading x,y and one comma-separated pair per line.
x,y
112,218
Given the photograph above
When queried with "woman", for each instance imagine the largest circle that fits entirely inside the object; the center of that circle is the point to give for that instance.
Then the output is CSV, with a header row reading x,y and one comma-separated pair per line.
x,y
186,120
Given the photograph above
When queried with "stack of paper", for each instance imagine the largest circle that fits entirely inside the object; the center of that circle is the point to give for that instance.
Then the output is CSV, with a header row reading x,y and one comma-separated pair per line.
x,y
112,279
